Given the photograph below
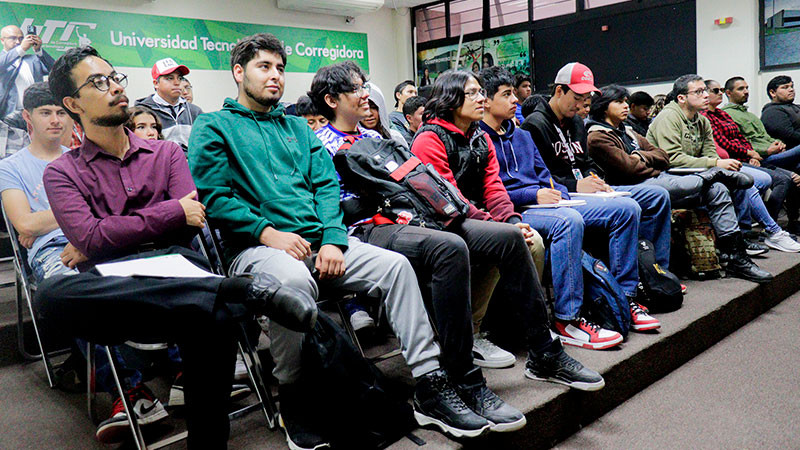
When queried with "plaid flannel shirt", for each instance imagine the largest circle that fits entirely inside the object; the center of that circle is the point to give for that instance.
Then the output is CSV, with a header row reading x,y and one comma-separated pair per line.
x,y
727,134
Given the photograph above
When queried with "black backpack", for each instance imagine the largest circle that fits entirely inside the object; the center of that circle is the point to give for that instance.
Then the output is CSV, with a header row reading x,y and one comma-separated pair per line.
x,y
662,287
402,188
357,406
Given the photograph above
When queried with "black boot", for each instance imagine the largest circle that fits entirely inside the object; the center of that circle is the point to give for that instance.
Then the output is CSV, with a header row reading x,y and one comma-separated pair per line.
x,y
739,264
290,307
473,391
731,179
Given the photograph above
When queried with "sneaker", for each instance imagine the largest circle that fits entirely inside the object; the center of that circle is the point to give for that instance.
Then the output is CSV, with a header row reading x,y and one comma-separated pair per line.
x,y
176,397
361,319
437,403
755,248
298,422
240,371
479,398
146,406
781,241
582,333
486,354
556,366
641,320
683,289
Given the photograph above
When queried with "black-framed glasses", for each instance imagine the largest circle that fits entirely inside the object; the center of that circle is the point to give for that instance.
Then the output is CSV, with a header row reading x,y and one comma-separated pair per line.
x,y
473,95
698,92
103,82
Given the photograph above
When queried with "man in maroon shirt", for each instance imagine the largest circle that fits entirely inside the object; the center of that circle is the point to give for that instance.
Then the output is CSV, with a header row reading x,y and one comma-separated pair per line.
x,y
118,197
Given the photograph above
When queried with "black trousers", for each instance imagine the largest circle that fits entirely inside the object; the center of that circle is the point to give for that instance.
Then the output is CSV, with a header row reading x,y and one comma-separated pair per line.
x,y
112,310
442,262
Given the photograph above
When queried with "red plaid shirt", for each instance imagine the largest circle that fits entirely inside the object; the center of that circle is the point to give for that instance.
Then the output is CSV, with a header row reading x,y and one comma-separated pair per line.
x,y
727,134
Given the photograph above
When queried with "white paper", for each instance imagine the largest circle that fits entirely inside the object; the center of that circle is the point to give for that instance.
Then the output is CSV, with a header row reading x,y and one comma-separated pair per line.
x,y
613,194
562,203
164,266
686,170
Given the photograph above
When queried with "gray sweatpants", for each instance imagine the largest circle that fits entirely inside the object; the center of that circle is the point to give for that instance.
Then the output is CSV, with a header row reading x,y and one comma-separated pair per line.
x,y
372,270
686,191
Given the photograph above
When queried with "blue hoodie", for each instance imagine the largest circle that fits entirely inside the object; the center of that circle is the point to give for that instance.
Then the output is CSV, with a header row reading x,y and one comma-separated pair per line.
x,y
522,168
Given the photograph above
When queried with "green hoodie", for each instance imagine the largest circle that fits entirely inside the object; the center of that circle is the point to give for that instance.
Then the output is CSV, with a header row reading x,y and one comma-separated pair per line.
x,y
255,170
751,127
689,143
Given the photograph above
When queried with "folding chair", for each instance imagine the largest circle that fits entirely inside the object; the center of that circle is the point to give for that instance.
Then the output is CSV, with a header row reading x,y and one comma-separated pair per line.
x,y
26,286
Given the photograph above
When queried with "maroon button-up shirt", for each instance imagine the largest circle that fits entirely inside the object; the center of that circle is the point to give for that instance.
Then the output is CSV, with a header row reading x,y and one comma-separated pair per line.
x,y
108,207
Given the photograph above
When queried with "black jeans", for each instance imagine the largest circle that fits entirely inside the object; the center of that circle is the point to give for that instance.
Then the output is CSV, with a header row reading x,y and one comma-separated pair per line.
x,y
442,262
111,310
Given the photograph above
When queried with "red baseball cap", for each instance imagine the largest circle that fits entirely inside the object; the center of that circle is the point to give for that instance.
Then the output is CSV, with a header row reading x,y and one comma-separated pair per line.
x,y
166,66
578,77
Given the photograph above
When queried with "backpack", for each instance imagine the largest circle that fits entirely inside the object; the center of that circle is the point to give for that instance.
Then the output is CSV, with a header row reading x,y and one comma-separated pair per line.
x,y
693,251
603,299
662,287
357,405
405,190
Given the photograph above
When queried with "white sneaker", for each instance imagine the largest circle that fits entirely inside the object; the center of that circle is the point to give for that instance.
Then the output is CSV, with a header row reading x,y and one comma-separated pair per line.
x,y
486,354
240,372
361,319
781,241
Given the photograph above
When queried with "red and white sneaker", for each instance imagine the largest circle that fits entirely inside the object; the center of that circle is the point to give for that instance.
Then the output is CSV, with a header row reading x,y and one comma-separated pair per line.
x,y
582,333
641,320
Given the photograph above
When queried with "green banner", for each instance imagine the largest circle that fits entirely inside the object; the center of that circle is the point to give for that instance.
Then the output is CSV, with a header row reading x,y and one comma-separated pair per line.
x,y
139,40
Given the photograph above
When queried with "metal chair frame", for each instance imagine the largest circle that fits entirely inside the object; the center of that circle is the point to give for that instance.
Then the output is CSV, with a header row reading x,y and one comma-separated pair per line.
x,y
25,287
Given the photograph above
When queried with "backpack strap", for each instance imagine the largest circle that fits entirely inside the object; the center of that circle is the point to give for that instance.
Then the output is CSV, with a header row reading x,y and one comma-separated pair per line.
x,y
400,173
348,142
449,147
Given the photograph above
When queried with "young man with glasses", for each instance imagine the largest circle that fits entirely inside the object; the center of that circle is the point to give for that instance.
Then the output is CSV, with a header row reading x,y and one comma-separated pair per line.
x,y
118,197
18,69
177,114
687,138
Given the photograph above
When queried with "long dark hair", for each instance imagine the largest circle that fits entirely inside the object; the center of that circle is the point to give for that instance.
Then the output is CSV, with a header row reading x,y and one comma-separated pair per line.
x,y
448,95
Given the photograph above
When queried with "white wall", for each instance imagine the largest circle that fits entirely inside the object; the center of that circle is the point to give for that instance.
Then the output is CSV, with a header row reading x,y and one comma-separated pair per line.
x,y
729,50
387,68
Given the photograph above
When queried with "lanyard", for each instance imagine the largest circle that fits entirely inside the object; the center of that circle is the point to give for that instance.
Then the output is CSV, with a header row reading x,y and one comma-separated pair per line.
x,y
570,154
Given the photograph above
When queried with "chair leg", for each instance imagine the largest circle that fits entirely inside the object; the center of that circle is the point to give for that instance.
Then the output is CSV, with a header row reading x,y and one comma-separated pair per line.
x,y
135,429
91,382
349,327
255,372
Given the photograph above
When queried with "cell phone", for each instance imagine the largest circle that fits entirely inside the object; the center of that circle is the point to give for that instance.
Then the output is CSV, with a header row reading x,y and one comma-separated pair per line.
x,y
31,29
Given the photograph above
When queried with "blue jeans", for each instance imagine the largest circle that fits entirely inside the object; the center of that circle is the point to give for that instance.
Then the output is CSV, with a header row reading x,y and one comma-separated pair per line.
x,y
656,220
788,159
563,228
47,261
748,202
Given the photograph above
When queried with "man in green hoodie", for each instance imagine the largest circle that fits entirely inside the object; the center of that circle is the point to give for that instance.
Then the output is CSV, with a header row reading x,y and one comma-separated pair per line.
x,y
270,185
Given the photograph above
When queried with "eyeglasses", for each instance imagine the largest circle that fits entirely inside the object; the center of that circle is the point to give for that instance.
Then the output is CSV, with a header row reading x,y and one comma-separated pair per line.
x,y
716,91
473,95
698,92
103,82
359,90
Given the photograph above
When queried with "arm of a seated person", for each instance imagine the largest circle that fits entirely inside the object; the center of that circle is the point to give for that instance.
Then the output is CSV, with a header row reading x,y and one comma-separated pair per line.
x,y
28,224
95,236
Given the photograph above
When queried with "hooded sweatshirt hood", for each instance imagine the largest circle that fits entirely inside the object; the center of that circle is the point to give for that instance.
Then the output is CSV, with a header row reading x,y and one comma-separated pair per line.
x,y
376,96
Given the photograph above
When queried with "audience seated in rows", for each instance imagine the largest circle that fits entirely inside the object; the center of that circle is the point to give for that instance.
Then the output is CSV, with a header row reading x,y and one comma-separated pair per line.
x,y
529,182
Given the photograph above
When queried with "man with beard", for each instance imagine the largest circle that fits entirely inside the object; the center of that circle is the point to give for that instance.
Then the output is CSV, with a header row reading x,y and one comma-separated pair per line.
x,y
118,197
269,182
